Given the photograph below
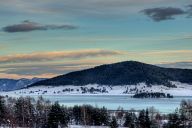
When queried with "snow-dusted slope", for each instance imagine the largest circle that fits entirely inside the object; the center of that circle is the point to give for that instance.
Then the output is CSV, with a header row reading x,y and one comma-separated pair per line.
x,y
12,84
180,90
122,73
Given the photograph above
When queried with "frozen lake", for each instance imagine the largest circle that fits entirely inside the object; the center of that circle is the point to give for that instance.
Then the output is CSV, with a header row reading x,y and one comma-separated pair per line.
x,y
113,102
114,97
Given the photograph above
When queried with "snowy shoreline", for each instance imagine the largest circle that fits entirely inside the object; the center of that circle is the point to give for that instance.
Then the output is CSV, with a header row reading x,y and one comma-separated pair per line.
x,y
94,89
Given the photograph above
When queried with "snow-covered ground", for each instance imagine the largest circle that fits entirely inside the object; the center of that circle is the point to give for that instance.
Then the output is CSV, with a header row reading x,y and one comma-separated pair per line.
x,y
94,89
78,126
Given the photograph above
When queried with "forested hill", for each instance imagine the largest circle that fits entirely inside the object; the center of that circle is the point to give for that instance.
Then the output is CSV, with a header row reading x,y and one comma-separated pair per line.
x,y
122,73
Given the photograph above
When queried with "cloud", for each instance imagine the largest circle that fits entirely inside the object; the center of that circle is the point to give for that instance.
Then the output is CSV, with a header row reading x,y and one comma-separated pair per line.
x,y
164,13
43,69
168,52
61,62
15,76
182,65
158,56
57,55
167,13
75,8
190,6
46,68
27,26
31,70
189,10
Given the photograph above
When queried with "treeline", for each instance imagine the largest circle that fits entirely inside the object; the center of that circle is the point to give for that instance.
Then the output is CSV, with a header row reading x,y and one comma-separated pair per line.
x,y
152,95
41,113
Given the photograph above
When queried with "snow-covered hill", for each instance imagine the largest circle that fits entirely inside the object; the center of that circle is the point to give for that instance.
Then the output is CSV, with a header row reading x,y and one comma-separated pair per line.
x,y
122,73
12,84
94,89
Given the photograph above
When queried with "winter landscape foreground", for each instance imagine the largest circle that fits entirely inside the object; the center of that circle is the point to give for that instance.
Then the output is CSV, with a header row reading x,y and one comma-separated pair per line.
x,y
29,112
103,96
121,110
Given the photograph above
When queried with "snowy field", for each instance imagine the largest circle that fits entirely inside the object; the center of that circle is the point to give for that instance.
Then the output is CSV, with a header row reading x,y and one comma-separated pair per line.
x,y
76,126
180,90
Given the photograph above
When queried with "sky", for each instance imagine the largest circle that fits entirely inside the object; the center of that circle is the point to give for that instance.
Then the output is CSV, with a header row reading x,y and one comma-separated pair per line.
x,y
46,38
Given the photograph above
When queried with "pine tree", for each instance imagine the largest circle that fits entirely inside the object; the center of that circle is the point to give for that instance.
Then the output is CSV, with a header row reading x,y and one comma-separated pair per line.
x,y
2,110
183,119
147,120
24,111
42,108
77,115
174,121
58,116
99,116
113,123
129,121
54,116
104,116
141,119
65,117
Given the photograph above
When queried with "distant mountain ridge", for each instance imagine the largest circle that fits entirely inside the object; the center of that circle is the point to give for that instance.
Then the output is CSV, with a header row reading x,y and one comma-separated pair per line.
x,y
122,73
13,84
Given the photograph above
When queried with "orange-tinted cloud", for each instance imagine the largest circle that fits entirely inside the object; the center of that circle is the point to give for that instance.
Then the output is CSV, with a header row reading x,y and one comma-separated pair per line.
x,y
16,76
57,55
83,59
47,70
